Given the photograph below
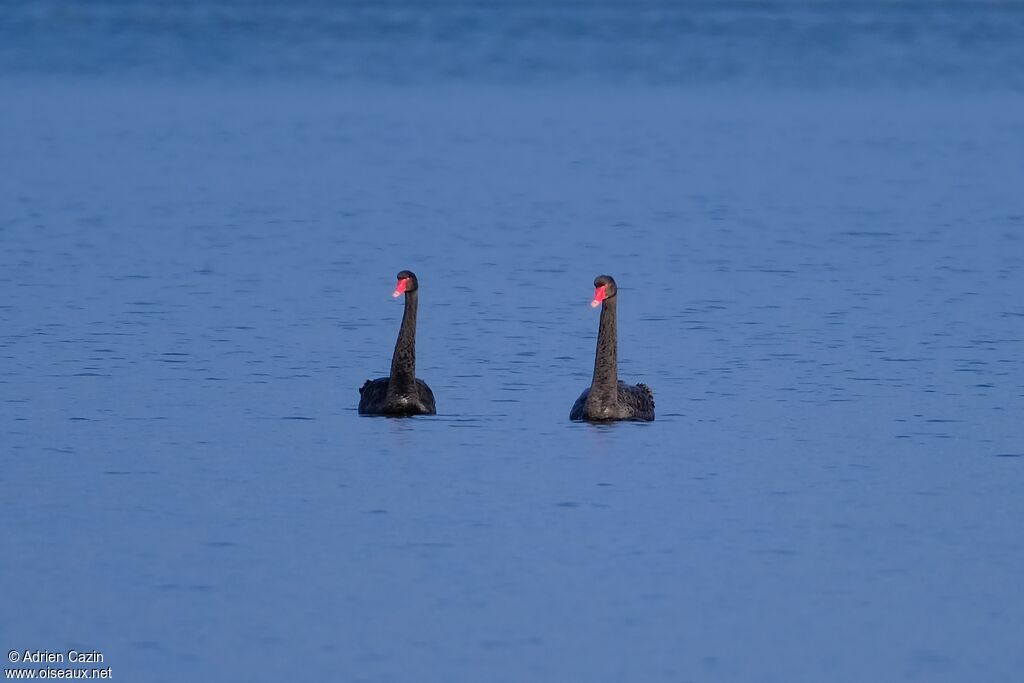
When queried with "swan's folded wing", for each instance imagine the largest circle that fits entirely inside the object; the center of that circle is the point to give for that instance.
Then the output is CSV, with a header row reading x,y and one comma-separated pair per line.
x,y
647,402
577,408
638,400
426,397
372,394
647,390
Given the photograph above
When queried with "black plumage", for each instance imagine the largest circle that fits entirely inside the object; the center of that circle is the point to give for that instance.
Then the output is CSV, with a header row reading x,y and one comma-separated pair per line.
x,y
607,398
401,393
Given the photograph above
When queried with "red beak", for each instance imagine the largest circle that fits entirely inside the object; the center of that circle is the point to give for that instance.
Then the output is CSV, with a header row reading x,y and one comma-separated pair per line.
x,y
599,295
400,287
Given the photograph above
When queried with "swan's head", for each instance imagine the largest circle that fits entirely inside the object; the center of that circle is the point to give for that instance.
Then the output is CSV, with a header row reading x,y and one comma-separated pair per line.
x,y
604,288
407,282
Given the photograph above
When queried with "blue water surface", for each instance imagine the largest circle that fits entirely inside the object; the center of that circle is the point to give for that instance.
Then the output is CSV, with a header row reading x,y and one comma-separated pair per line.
x,y
820,277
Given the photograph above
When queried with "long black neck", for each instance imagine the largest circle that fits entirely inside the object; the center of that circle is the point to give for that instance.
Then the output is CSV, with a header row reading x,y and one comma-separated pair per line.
x,y
605,387
403,363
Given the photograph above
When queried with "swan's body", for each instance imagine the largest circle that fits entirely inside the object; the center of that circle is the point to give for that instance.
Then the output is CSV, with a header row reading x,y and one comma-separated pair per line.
x,y
373,399
401,393
608,398
632,402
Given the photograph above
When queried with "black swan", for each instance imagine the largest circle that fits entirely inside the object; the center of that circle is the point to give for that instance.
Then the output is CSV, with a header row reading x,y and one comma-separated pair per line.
x,y
608,398
401,393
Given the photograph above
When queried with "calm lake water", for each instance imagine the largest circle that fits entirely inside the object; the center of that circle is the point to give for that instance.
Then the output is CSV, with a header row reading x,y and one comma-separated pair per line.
x,y
821,282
